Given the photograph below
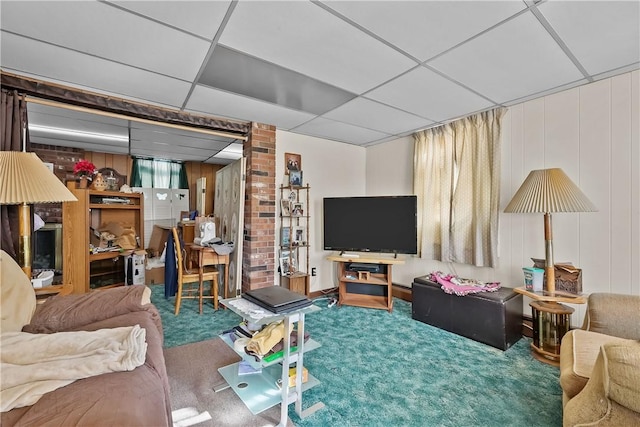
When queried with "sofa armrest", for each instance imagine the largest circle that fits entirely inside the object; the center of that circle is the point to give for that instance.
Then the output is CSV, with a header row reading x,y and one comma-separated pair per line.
x,y
612,394
614,314
65,312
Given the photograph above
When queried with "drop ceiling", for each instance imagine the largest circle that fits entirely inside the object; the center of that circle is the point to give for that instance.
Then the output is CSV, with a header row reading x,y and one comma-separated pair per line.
x,y
357,72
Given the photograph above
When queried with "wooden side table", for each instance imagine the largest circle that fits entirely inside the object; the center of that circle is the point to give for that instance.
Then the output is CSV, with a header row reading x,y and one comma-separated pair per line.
x,y
551,320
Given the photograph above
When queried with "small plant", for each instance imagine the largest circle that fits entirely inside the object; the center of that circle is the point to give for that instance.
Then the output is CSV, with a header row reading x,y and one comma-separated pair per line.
x,y
84,168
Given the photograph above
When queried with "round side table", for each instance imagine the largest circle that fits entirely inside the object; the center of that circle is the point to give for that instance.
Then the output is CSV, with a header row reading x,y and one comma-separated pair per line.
x,y
551,320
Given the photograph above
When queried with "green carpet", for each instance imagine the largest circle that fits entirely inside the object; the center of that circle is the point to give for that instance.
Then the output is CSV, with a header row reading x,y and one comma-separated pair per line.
x,y
385,369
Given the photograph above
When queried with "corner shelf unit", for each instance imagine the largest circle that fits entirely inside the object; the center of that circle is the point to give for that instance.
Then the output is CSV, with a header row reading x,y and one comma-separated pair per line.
x,y
260,391
87,271
363,288
296,246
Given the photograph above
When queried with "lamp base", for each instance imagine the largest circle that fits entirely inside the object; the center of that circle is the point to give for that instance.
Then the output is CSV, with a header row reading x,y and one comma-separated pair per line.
x,y
24,247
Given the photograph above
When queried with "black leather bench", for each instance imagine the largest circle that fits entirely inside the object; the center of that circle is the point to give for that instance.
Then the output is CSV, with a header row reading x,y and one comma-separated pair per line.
x,y
493,318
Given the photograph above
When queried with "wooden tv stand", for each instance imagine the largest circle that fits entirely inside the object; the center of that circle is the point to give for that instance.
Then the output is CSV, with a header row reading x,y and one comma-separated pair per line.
x,y
364,288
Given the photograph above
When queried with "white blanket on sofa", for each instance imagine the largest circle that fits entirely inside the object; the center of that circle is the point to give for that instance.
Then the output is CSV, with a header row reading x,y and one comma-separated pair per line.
x,y
34,364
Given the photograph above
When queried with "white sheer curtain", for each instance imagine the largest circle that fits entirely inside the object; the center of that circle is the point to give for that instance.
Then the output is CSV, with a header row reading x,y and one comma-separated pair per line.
x,y
457,182
161,174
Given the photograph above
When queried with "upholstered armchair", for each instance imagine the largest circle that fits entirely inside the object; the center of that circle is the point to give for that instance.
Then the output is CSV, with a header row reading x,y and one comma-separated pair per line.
x,y
600,364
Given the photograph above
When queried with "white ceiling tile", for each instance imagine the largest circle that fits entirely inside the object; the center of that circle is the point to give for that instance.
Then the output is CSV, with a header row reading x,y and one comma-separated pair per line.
x,y
306,38
63,119
219,103
430,95
337,131
513,60
159,136
426,28
53,63
376,116
202,18
105,47
99,29
602,35
83,144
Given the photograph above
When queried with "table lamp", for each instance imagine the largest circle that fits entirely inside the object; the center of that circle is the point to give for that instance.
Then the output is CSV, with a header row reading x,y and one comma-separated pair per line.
x,y
26,180
547,191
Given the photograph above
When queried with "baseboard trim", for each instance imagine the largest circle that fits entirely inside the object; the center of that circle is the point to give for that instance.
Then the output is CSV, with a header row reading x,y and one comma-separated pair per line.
x,y
402,292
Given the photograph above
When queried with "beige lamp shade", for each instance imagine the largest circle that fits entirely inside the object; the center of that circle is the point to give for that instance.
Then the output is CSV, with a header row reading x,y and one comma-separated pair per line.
x,y
25,179
549,190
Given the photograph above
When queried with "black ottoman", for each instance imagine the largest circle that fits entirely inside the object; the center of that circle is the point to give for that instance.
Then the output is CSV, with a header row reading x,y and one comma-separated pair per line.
x,y
493,318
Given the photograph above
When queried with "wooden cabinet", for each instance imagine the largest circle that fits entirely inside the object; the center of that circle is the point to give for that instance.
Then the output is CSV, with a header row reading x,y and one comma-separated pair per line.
x,y
294,238
93,210
365,282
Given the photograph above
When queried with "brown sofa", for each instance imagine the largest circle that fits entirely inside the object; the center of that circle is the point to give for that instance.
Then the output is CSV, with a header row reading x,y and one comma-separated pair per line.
x,y
600,364
138,397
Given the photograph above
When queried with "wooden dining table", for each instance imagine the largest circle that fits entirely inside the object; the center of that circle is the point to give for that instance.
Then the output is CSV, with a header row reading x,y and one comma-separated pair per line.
x,y
204,256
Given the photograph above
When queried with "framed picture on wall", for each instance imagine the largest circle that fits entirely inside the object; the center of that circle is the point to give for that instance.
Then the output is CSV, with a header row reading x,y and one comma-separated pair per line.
x,y
285,236
287,262
292,162
285,207
299,236
297,209
295,178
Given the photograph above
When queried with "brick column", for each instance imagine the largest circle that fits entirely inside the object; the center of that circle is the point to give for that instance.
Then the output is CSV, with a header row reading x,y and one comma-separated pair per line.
x,y
258,259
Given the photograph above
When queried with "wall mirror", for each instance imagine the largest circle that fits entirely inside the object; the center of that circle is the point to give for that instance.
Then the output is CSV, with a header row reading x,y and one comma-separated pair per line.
x,y
68,126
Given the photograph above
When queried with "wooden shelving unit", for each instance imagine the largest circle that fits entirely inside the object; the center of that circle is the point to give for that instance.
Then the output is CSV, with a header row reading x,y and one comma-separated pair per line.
x,y
364,288
84,270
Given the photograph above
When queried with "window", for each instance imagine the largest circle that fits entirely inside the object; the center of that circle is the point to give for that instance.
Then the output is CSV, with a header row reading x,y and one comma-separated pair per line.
x,y
151,173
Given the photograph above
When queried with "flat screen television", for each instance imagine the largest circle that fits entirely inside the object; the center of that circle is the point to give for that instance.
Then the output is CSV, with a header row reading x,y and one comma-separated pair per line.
x,y
385,224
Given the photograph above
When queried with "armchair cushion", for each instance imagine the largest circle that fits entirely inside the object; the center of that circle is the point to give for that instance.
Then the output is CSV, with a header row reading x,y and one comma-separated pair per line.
x,y
17,297
614,314
578,354
612,394
622,375
63,313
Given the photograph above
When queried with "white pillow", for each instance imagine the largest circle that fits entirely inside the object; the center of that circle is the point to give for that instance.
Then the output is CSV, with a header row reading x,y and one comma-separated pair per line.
x,y
17,297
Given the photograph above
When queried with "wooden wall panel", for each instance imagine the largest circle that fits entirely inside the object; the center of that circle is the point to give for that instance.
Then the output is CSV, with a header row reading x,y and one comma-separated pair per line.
x,y
635,183
595,181
562,148
621,185
593,134
195,170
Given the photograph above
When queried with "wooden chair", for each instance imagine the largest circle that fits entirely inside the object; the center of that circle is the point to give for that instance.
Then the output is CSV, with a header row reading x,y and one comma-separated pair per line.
x,y
189,278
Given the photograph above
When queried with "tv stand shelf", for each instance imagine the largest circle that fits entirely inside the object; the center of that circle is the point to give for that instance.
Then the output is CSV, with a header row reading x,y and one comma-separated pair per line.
x,y
364,288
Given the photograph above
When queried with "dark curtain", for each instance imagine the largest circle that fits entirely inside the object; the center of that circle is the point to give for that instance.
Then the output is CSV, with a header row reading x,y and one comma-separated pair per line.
x,y
13,116
170,269
184,180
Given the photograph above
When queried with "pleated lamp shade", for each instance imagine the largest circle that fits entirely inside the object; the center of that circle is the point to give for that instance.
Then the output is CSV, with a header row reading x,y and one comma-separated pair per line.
x,y
25,179
547,191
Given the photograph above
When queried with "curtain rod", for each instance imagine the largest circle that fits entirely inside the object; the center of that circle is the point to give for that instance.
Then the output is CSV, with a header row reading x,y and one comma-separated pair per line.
x,y
49,103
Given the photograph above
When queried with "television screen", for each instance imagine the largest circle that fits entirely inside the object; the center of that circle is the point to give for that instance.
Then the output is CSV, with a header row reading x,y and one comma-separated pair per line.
x,y
371,224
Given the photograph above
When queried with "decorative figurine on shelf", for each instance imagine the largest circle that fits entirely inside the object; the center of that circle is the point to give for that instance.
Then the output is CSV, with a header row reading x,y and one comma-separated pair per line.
x,y
112,182
99,183
85,170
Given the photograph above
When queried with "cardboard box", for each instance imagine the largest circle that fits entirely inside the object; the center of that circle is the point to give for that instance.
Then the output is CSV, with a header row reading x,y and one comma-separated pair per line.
x,y
154,276
159,237
154,273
